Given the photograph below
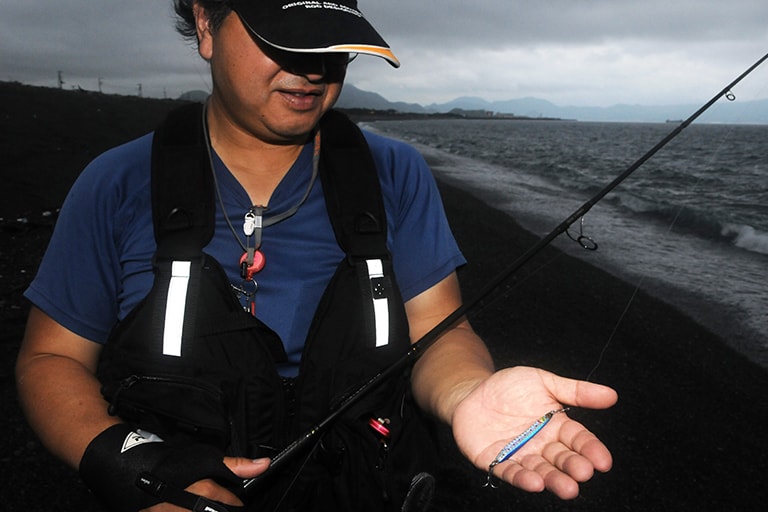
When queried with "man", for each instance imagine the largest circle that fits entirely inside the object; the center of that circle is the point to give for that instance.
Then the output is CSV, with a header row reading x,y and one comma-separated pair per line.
x,y
277,68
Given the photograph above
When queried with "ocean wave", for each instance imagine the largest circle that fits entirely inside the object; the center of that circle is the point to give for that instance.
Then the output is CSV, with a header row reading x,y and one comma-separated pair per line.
x,y
746,237
707,225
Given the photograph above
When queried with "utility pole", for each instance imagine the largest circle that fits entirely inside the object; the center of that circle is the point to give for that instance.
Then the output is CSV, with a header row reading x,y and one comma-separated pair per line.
x,y
101,82
140,92
61,81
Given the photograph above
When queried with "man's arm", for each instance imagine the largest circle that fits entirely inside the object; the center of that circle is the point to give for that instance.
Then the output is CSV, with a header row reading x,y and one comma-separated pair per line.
x,y
457,363
58,389
456,381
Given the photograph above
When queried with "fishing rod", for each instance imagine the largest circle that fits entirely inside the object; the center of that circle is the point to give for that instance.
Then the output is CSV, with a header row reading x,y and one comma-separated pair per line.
x,y
429,339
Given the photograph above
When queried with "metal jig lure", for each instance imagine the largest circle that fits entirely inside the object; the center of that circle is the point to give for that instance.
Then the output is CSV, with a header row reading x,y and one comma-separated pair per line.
x,y
518,442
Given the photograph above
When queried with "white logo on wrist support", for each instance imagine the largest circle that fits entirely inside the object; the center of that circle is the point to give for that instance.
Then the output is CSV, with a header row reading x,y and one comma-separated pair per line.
x,y
137,438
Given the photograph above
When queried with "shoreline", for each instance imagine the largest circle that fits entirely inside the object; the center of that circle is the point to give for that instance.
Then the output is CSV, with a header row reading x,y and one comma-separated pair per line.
x,y
726,321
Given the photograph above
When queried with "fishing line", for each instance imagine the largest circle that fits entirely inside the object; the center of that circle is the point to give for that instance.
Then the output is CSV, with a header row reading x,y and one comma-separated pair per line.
x,y
426,341
723,141
615,328
295,478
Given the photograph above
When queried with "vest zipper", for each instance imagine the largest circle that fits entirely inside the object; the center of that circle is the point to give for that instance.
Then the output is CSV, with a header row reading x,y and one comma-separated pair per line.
x,y
178,381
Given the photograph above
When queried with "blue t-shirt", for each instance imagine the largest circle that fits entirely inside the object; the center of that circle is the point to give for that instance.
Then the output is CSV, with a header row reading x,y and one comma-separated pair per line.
x,y
98,265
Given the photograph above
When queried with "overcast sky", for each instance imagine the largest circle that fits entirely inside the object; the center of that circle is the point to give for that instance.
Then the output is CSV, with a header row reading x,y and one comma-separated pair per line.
x,y
570,52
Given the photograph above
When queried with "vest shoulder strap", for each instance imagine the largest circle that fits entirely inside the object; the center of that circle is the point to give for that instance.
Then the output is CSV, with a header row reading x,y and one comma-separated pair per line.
x,y
183,207
352,189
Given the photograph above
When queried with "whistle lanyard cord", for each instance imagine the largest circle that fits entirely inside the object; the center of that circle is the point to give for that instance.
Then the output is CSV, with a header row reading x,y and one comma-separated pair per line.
x,y
271,220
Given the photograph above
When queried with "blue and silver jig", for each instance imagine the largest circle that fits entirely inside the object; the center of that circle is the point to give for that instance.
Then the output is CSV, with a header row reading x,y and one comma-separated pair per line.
x,y
518,442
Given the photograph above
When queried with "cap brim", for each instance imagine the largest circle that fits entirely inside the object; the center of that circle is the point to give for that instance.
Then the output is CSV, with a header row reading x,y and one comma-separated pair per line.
x,y
376,51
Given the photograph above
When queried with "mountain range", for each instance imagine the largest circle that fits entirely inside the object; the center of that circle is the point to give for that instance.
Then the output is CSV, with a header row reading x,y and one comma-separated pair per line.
x,y
739,112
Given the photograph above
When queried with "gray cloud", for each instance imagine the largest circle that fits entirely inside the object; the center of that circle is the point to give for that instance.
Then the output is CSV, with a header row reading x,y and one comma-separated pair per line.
x,y
567,51
491,23
595,52
124,43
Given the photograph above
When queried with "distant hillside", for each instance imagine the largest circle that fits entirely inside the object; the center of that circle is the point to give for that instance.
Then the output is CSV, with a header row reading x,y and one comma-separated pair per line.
x,y
354,98
194,96
745,112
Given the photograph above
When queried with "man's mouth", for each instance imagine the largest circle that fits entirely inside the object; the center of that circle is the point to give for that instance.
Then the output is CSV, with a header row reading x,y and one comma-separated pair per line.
x,y
302,99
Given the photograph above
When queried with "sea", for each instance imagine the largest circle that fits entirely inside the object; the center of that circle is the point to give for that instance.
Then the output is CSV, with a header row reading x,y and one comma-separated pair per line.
x,y
689,226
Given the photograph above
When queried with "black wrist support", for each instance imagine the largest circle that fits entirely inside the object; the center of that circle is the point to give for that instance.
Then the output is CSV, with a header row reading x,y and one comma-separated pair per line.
x,y
129,470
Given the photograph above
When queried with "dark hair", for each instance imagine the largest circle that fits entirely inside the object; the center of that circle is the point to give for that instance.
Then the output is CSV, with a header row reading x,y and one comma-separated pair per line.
x,y
185,24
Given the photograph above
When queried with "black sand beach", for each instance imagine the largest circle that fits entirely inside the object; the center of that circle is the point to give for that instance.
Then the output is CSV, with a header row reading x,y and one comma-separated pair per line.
x,y
688,432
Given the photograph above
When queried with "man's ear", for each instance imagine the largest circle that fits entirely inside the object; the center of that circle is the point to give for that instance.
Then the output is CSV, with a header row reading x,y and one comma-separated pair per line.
x,y
204,33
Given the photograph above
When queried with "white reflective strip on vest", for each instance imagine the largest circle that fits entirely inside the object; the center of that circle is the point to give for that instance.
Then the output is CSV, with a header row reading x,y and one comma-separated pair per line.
x,y
174,308
380,305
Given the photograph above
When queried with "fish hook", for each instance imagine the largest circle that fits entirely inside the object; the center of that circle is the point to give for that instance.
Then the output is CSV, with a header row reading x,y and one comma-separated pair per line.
x,y
490,478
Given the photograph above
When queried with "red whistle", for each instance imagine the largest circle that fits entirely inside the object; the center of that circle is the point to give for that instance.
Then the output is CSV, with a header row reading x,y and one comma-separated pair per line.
x,y
247,271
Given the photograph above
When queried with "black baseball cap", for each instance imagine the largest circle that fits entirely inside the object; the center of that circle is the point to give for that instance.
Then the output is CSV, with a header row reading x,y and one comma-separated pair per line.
x,y
312,26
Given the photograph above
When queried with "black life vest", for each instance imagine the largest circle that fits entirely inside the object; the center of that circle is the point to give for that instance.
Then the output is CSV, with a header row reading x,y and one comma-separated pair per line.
x,y
188,361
